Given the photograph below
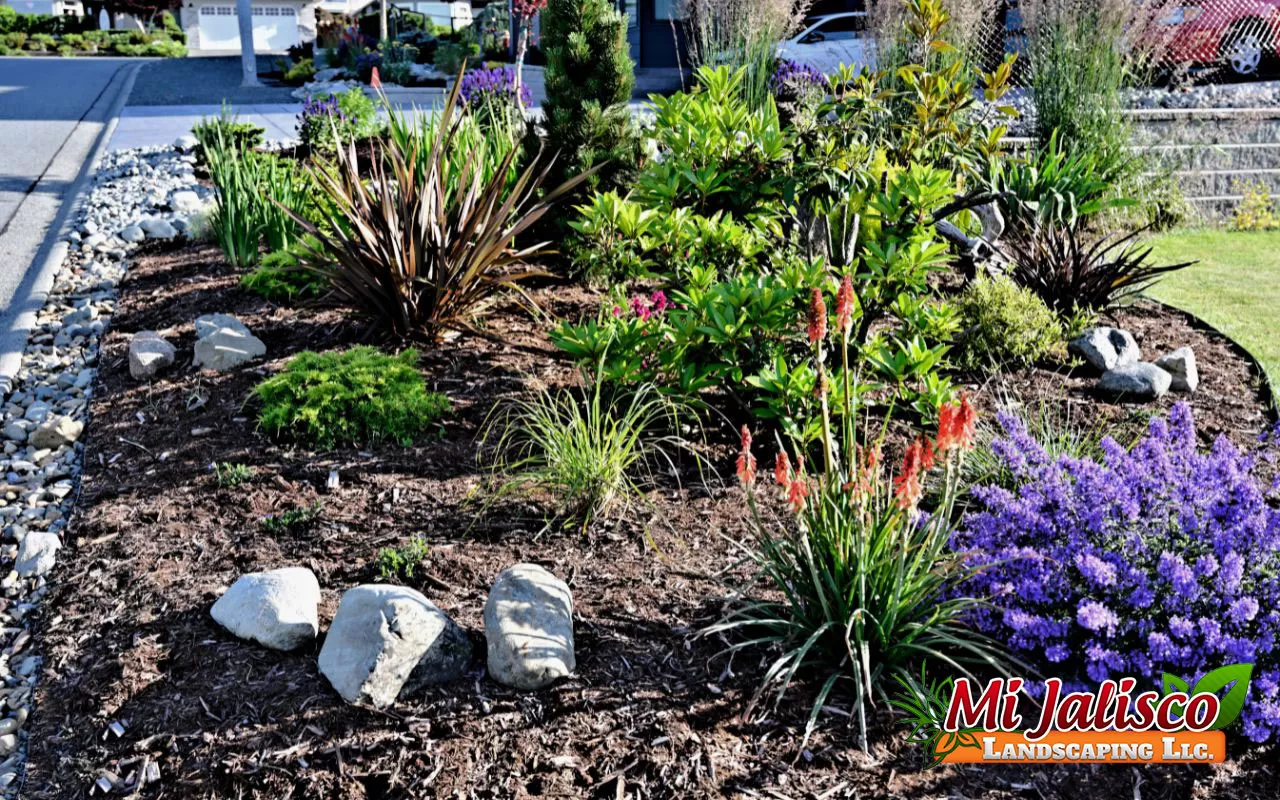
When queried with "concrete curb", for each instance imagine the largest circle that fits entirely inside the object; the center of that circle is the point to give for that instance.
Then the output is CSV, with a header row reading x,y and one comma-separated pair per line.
x,y
34,290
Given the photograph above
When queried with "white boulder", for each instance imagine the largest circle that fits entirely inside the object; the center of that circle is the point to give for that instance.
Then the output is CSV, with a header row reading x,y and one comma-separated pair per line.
x,y
223,342
156,228
56,432
386,641
276,609
1181,365
528,627
1140,381
148,354
38,553
1106,348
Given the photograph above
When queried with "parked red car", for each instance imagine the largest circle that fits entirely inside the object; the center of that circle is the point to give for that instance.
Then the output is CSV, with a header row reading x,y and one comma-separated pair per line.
x,y
1236,34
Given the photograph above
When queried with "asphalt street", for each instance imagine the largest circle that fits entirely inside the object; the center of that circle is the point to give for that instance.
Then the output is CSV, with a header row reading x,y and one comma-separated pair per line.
x,y
53,112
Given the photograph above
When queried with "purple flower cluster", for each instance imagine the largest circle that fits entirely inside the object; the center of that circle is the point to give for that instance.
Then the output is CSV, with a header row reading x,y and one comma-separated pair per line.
x,y
315,109
1161,558
796,75
497,85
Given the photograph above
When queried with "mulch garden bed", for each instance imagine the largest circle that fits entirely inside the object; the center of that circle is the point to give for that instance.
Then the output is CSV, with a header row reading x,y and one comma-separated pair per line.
x,y
653,711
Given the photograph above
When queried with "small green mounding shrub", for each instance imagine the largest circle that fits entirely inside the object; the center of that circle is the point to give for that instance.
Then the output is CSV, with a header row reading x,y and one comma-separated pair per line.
x,y
398,563
40,42
1004,325
16,39
8,18
225,128
300,73
355,396
280,279
350,115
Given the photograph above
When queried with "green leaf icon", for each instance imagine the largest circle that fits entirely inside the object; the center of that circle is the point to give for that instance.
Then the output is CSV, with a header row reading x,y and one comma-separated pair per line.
x,y
1172,683
1233,702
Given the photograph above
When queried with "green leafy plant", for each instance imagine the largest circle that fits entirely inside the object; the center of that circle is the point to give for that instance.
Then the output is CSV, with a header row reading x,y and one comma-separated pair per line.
x,y
279,279
290,520
1053,185
1005,326
399,563
329,121
611,238
301,72
226,130
229,475
1068,268
236,220
357,396
415,256
585,448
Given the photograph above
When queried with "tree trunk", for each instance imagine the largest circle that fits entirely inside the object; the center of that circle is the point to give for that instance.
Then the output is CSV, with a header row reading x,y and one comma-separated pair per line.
x,y
382,21
248,61
522,49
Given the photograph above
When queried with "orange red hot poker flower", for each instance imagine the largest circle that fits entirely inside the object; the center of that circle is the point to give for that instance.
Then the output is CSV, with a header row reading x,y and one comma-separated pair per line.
x,y
957,423
844,306
746,461
817,317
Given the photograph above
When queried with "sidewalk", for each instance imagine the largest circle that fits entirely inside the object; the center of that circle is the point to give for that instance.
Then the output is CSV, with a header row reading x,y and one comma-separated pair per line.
x,y
142,126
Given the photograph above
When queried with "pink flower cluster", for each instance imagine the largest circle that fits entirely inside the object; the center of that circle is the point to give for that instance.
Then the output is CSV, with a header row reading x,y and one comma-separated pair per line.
x,y
655,304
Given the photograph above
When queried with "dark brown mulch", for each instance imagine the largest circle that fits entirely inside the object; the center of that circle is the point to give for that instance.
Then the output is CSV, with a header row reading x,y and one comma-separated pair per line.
x,y
654,711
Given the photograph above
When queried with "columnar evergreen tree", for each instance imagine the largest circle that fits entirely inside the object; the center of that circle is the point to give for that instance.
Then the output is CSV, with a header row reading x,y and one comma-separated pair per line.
x,y
589,78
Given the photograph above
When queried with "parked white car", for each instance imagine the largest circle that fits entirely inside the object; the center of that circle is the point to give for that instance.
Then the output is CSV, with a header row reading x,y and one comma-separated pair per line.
x,y
829,40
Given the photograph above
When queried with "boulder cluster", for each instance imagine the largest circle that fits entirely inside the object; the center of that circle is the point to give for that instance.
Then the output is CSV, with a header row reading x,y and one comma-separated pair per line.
x,y
1115,354
386,642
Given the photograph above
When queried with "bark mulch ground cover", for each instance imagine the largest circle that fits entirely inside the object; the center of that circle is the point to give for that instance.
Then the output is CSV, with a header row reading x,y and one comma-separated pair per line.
x,y
654,710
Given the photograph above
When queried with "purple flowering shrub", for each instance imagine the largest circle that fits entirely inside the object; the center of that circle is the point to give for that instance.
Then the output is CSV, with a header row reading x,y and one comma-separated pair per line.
x,y
494,87
1157,559
796,75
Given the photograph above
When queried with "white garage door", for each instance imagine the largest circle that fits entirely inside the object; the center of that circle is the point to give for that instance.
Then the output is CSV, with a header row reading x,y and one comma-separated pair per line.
x,y
274,28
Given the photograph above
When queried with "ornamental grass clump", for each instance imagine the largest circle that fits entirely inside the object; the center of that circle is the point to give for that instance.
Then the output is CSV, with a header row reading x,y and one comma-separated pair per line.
x,y
865,593
1156,559
358,396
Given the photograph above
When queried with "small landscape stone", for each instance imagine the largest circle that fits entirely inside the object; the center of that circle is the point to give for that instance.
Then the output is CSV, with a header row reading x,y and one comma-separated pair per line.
x,y
158,229
1181,365
132,234
57,432
1141,381
277,609
148,354
386,641
1106,348
528,627
38,553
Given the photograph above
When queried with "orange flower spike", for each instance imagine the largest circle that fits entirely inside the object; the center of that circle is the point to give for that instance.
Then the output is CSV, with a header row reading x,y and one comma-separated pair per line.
x,y
967,422
798,489
908,487
746,461
817,317
844,306
782,469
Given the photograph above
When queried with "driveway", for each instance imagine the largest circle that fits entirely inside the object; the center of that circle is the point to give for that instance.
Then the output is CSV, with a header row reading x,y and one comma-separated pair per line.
x,y
52,113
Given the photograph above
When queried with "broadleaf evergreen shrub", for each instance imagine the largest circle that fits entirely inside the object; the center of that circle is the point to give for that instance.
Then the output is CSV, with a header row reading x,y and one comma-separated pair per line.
x,y
358,396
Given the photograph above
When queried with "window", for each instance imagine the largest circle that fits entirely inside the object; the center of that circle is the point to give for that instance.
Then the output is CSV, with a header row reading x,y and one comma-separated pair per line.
x,y
667,10
839,29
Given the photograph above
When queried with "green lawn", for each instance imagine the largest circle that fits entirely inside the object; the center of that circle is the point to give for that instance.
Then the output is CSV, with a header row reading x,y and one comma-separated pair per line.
x,y
1235,287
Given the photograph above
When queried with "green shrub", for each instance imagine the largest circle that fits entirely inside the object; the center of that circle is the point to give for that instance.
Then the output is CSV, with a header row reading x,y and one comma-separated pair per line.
x,y
40,42
66,50
589,78
228,130
8,18
357,396
301,72
1256,210
399,563
1004,325
450,56
279,279
16,40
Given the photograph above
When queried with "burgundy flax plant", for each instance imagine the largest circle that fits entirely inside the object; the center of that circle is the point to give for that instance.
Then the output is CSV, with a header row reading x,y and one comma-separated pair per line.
x,y
868,589
420,249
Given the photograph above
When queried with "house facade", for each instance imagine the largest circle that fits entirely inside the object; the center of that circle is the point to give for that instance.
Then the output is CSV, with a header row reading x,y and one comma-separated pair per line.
x,y
213,26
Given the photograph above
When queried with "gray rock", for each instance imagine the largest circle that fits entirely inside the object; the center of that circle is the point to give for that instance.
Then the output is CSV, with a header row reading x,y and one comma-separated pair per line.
x,y
157,228
332,73
528,627
277,609
37,553
1141,381
1181,365
224,348
15,430
387,641
185,143
148,354
1106,348
37,411
132,234
56,432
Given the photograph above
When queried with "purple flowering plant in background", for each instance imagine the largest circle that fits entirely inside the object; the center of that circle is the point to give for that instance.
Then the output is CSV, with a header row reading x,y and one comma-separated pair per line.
x,y
796,74
1161,558
496,85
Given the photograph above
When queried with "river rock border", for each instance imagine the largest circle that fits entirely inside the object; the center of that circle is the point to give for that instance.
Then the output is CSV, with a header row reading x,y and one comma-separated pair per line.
x,y
135,195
